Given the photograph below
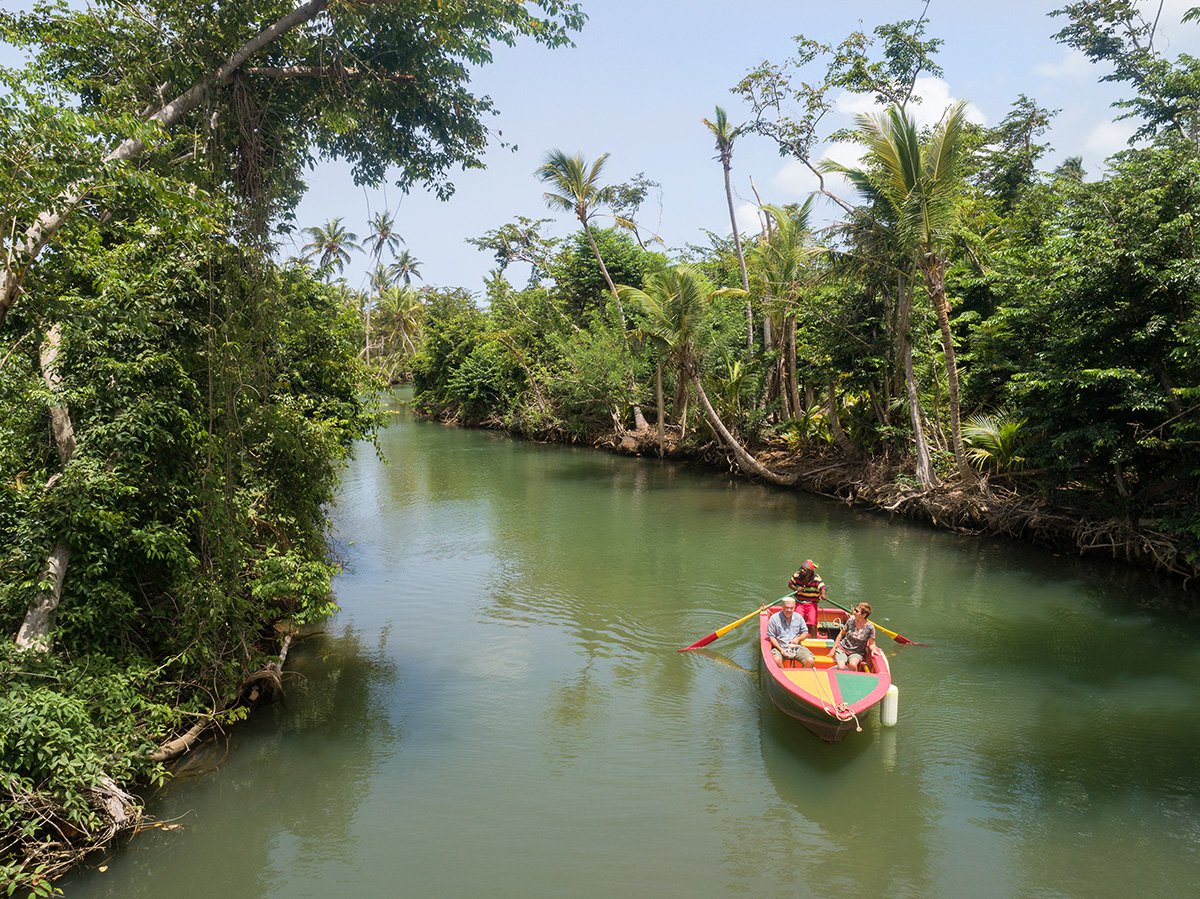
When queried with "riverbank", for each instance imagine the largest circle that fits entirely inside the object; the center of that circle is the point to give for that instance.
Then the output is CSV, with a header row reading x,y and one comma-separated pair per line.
x,y
1010,507
581,573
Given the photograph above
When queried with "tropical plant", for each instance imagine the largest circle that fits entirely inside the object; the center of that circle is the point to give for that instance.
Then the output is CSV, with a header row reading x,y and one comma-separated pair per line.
x,y
783,264
383,236
920,182
674,305
578,190
994,442
330,244
405,268
725,134
400,314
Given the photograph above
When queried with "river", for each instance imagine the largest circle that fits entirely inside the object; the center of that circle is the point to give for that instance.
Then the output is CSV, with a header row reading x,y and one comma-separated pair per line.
x,y
498,710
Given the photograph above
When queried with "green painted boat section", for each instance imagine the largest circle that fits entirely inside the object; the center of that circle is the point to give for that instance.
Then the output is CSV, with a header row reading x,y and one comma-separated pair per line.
x,y
855,686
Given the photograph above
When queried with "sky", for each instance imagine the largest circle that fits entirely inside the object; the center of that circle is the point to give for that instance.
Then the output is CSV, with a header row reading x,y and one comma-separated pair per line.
x,y
645,73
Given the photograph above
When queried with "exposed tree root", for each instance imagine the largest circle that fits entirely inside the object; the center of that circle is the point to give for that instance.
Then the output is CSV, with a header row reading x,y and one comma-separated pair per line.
x,y
978,507
56,845
53,844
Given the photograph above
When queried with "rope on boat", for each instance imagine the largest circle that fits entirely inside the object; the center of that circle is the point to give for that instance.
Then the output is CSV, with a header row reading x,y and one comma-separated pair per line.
x,y
841,711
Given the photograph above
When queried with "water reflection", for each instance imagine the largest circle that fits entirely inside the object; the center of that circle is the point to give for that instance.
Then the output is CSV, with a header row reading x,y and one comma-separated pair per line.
x,y
505,712
294,781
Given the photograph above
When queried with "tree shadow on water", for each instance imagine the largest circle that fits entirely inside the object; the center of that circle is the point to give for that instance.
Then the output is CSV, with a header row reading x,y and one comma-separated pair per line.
x,y
286,793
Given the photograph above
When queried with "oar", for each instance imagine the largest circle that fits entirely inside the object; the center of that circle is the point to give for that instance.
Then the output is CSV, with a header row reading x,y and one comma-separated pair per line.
x,y
721,631
899,638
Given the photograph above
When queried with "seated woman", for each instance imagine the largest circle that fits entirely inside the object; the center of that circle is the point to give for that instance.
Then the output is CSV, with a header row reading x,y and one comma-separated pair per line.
x,y
857,639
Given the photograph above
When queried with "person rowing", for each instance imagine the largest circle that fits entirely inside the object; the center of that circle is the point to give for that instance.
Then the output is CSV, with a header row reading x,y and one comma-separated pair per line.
x,y
809,590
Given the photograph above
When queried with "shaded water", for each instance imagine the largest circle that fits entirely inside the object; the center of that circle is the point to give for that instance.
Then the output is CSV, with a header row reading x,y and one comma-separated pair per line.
x,y
499,709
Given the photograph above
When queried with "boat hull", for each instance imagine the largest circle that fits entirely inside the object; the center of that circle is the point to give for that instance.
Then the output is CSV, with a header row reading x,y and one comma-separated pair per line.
x,y
828,702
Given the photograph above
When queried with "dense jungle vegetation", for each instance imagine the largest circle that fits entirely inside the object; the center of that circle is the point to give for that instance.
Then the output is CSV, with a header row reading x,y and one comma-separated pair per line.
x,y
174,401
977,340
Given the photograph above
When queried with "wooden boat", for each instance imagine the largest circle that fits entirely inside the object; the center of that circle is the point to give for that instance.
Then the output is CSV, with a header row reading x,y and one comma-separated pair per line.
x,y
828,702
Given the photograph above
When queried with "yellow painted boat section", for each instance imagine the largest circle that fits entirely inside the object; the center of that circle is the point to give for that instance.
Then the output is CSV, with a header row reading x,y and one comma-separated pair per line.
x,y
813,681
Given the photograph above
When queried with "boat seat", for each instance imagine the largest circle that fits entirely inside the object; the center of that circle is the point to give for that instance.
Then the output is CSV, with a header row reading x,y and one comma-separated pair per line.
x,y
822,661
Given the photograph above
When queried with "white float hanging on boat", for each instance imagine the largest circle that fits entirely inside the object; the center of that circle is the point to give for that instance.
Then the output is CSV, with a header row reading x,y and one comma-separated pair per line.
x,y
889,707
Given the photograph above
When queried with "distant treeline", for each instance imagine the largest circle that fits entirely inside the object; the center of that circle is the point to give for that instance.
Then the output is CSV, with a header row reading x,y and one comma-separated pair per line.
x,y
973,319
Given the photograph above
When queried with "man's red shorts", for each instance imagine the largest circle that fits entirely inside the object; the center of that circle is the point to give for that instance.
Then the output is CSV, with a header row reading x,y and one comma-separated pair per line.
x,y
809,611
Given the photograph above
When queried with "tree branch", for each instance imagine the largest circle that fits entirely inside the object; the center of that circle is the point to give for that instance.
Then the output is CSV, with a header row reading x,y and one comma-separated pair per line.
x,y
329,72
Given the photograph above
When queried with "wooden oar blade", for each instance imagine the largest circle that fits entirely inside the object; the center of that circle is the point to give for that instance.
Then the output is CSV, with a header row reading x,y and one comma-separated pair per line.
x,y
703,641
720,632
899,638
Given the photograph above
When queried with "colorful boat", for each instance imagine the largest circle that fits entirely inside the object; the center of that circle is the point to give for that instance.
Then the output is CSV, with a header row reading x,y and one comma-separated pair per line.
x,y
828,702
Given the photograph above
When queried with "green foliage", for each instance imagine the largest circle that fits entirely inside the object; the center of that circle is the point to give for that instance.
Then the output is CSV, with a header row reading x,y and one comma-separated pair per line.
x,y
810,427
994,442
454,326
213,397
590,378
352,96
68,725
577,276
481,384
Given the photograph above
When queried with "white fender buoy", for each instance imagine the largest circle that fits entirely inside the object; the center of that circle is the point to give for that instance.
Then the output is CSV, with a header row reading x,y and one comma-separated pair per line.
x,y
889,708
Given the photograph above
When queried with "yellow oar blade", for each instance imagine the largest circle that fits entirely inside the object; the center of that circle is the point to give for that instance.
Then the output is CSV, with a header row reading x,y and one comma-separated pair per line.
x,y
899,638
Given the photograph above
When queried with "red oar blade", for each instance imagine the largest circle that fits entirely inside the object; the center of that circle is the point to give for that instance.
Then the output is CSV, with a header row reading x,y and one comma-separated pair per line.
x,y
720,632
703,641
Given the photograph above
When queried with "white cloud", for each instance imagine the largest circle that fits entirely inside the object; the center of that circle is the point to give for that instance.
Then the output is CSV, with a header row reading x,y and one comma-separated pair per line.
x,y
747,218
1073,66
796,181
934,99
1105,139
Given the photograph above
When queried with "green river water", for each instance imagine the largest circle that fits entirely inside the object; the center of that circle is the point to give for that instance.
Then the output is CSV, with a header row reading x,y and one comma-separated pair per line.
x,y
499,709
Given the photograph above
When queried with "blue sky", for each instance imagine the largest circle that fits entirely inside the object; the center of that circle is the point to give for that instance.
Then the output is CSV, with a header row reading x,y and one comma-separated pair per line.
x,y
645,73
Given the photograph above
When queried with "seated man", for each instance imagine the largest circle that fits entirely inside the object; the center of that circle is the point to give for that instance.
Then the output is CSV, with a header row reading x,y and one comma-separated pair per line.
x,y
786,630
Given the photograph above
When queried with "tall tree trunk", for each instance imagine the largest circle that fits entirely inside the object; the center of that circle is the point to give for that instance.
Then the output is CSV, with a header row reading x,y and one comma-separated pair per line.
x,y
662,412
46,225
639,420
35,629
835,424
935,270
793,381
741,257
746,462
925,474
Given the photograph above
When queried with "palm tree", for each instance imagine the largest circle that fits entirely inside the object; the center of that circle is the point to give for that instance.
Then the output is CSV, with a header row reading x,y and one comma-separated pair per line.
x,y
878,259
919,182
383,236
725,136
783,261
579,191
995,441
331,243
406,267
401,317
674,303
